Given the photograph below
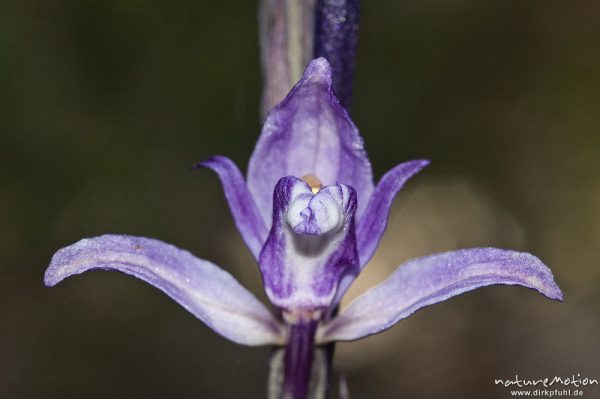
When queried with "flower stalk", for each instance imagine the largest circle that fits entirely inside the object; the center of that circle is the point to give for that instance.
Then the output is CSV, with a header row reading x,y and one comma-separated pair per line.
x,y
293,32
336,38
286,44
298,360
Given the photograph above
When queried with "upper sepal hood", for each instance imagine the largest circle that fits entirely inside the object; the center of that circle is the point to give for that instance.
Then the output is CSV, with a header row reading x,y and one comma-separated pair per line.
x,y
309,132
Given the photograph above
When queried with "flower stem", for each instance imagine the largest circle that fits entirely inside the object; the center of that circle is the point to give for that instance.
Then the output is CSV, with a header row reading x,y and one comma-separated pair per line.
x,y
336,38
286,44
298,360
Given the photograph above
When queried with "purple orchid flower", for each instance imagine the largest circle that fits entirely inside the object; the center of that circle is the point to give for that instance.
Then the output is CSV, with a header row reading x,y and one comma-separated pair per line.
x,y
312,217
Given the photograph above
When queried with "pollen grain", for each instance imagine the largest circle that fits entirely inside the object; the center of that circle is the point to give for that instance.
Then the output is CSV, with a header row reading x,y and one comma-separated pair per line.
x,y
314,182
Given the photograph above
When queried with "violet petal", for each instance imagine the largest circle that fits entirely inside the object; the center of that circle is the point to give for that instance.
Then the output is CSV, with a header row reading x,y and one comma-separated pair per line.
x,y
311,246
431,279
205,290
371,227
243,209
309,132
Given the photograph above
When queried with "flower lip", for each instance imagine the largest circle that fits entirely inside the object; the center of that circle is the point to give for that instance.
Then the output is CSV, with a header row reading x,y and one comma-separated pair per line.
x,y
315,214
311,245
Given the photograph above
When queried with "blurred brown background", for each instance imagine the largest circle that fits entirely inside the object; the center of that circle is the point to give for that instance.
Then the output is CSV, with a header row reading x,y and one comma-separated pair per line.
x,y
104,105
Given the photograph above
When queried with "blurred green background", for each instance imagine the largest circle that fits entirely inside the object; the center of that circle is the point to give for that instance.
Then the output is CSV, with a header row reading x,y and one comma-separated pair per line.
x,y
104,106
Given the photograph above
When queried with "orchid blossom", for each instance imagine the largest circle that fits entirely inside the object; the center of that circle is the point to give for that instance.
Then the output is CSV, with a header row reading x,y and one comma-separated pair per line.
x,y
312,218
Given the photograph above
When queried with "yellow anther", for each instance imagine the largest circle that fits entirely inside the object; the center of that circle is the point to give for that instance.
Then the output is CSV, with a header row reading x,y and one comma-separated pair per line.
x,y
314,183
